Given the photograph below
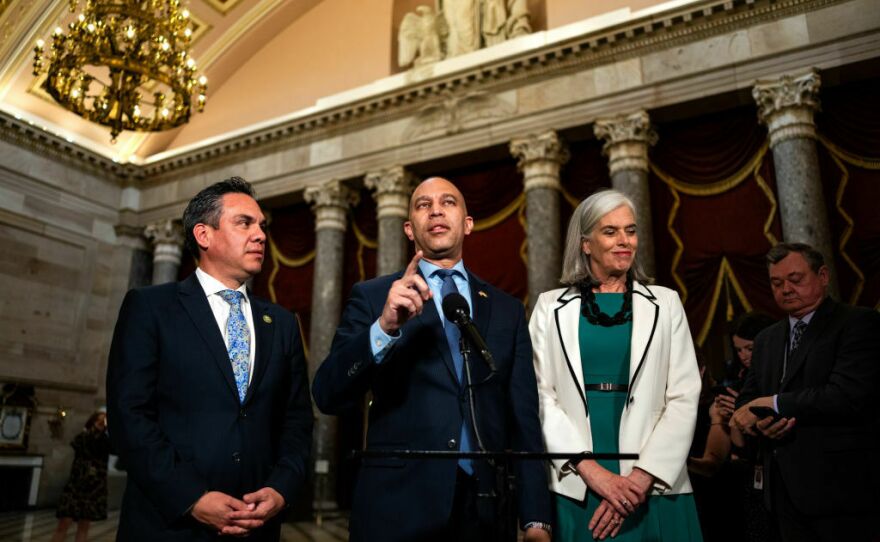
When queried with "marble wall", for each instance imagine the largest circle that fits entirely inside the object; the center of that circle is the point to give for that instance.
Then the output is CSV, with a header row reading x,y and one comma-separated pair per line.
x,y
63,274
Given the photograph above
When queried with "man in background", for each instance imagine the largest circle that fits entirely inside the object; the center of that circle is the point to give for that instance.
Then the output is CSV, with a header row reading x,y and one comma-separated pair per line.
x,y
818,371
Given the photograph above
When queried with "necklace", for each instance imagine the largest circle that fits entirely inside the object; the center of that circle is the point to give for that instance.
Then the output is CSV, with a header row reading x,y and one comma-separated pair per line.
x,y
591,311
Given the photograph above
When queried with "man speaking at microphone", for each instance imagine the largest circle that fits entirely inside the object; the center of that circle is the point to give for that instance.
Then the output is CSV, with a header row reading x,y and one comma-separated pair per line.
x,y
395,341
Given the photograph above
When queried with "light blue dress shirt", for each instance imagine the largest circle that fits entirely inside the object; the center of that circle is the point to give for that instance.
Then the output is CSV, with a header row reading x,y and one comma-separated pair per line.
x,y
381,342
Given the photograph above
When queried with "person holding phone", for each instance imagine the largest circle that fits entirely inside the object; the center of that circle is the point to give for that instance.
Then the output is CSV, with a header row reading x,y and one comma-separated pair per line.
x,y
815,376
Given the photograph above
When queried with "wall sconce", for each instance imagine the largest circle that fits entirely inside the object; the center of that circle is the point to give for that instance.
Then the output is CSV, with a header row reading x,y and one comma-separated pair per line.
x,y
56,423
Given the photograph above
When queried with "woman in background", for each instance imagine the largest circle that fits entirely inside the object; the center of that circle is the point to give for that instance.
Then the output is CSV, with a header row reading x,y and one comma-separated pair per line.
x,y
616,372
84,498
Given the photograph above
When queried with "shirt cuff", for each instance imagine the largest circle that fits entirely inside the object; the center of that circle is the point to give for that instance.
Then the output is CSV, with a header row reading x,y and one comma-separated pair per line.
x,y
380,342
775,404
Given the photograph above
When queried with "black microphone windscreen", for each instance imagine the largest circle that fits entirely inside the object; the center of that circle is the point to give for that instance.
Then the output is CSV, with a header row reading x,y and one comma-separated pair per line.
x,y
453,305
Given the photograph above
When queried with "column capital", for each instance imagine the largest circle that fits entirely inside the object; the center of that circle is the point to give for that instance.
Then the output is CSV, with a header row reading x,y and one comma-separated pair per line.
x,y
166,232
547,146
627,138
539,157
786,105
167,237
329,202
392,189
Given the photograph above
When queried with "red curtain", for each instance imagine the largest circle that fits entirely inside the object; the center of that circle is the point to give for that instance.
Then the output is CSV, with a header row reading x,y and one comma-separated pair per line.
x,y
849,160
714,211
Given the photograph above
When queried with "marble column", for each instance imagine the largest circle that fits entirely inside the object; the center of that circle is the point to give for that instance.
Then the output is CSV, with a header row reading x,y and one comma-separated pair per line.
x,y
786,106
627,139
539,157
167,238
392,189
330,203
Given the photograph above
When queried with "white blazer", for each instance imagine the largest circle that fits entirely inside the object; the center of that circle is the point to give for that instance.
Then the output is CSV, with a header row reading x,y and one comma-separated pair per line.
x,y
664,386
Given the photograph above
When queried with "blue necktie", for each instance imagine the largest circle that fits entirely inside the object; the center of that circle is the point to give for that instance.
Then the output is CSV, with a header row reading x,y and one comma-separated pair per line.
x,y
452,337
239,341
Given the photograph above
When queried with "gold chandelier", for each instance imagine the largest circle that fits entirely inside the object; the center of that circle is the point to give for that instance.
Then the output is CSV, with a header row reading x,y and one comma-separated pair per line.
x,y
124,64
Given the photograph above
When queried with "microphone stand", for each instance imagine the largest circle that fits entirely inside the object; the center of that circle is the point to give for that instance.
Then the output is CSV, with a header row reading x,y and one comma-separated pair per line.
x,y
505,482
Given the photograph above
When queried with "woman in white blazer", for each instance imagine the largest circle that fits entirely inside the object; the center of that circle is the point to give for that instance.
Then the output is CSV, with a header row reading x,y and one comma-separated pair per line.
x,y
616,372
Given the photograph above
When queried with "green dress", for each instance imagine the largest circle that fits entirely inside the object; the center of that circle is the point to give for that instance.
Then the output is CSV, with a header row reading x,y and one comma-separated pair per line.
x,y
605,354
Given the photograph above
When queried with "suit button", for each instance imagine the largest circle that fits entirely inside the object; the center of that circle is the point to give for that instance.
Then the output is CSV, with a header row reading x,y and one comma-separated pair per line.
x,y
242,413
236,456
451,444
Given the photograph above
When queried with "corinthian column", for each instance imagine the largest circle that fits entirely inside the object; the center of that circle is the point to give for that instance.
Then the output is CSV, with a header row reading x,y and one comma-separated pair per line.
x,y
539,157
330,203
786,105
627,139
167,238
391,189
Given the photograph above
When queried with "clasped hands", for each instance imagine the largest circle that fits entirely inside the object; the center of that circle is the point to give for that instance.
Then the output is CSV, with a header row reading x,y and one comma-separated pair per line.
x,y
746,421
238,517
621,495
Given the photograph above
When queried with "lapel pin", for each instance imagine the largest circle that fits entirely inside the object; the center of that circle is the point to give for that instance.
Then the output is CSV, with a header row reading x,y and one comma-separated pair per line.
x,y
483,294
267,318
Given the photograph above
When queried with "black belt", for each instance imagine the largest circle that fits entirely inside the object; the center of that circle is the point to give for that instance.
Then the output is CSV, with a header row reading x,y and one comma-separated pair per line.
x,y
606,386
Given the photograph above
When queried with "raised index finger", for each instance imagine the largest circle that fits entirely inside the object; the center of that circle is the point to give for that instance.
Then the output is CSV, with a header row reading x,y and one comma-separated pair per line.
x,y
413,266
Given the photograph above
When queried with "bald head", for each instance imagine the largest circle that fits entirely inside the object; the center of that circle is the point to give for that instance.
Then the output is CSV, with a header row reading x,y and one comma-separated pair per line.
x,y
438,221
433,185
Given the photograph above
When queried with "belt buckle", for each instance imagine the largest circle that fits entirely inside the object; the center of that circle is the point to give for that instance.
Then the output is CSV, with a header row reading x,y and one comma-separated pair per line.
x,y
606,386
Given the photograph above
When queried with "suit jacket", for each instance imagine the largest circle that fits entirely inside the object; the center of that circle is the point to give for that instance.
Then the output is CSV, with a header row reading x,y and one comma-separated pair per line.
x,y
828,461
664,386
419,404
175,417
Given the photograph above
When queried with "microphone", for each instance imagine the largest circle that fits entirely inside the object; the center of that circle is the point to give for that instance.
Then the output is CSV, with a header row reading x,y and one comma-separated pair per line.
x,y
455,309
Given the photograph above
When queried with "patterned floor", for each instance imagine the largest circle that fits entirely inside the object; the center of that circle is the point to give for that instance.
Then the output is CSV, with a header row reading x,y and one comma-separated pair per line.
x,y
38,526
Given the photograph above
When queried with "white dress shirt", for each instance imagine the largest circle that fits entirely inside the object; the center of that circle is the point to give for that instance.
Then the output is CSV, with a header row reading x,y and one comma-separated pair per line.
x,y
221,310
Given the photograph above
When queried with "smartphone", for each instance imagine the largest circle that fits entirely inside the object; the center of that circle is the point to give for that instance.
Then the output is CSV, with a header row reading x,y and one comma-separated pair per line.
x,y
720,390
762,412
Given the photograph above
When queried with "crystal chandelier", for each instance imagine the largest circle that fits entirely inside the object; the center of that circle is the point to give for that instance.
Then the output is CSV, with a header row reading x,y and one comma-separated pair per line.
x,y
124,64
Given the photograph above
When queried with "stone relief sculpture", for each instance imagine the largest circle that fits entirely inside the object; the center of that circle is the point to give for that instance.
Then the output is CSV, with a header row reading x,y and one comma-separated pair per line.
x,y
418,40
458,27
450,113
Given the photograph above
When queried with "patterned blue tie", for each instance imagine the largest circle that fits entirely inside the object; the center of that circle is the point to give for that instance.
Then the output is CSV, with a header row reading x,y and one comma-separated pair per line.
x,y
239,341
453,335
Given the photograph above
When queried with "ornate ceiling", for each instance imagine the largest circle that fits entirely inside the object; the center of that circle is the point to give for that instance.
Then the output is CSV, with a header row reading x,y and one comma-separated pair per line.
x,y
227,34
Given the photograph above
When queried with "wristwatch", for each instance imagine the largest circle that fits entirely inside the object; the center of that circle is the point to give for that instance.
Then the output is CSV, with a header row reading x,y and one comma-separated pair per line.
x,y
538,525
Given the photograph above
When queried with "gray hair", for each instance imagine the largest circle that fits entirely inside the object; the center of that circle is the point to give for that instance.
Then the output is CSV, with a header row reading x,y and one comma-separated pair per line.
x,y
576,264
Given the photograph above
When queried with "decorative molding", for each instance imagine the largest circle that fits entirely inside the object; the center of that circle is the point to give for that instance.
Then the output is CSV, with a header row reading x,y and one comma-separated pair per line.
x,y
786,105
167,238
330,202
539,157
450,113
627,138
685,24
39,141
392,189
657,31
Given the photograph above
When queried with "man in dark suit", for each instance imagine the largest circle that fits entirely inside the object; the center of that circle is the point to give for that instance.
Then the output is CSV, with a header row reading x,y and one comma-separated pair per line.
x,y
208,400
395,341
819,370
